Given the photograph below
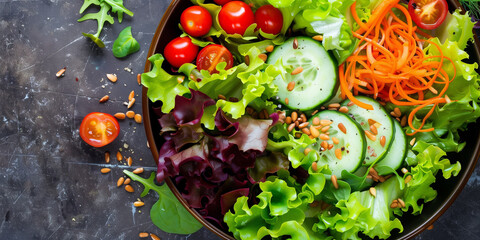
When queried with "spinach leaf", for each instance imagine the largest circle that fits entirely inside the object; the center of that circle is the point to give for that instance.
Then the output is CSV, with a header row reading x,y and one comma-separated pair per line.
x,y
167,213
125,44
102,16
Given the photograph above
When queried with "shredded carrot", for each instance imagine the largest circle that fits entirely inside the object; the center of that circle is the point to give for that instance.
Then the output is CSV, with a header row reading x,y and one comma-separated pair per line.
x,y
389,64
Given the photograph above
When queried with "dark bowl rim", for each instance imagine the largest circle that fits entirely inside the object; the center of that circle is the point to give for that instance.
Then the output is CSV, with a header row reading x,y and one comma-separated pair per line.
x,y
146,104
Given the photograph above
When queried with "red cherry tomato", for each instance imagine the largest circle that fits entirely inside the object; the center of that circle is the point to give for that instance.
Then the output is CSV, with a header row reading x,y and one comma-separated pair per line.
x,y
196,21
269,19
428,14
213,54
222,2
179,51
99,129
235,17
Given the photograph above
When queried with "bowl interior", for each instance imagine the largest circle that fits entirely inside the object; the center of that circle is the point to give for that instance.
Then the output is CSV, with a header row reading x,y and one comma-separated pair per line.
x,y
447,190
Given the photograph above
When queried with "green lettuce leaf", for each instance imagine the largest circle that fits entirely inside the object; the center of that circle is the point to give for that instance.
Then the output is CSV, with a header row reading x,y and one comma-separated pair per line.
x,y
430,160
457,28
328,18
362,212
244,82
161,85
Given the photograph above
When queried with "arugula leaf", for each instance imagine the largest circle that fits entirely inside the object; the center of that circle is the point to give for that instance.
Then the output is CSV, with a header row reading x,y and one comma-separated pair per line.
x,y
102,16
125,44
167,213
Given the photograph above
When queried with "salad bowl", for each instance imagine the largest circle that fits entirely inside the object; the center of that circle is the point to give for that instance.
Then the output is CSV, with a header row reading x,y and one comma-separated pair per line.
x,y
448,190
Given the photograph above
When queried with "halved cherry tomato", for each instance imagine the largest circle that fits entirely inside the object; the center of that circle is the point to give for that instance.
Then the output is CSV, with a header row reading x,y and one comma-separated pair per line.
x,y
213,54
179,51
196,21
428,14
222,2
269,19
99,129
235,17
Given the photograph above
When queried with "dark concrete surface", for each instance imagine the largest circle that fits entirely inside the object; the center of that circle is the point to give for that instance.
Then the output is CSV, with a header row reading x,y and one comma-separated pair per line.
x,y
50,181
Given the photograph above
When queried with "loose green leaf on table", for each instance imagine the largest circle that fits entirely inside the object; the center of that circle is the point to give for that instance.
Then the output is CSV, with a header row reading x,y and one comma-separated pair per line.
x,y
102,16
125,44
167,213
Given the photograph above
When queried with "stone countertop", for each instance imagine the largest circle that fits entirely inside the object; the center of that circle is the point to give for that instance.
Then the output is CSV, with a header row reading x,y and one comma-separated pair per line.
x,y
50,181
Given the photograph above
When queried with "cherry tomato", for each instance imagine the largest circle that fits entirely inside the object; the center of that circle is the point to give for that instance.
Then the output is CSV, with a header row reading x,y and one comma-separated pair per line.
x,y
196,21
428,14
235,17
180,50
99,129
222,2
211,55
269,19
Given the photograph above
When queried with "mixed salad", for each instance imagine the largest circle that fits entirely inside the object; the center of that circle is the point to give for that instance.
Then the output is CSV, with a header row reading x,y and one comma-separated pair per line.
x,y
313,119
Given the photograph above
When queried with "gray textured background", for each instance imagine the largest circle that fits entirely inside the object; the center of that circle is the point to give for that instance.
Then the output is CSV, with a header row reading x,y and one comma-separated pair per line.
x,y
50,181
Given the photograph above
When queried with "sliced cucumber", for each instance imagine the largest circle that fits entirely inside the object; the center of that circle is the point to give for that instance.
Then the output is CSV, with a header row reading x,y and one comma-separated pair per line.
x,y
316,84
383,123
396,154
352,145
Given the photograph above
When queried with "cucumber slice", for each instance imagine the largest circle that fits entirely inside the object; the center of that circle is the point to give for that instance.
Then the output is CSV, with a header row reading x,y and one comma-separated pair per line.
x,y
384,126
396,154
352,144
316,84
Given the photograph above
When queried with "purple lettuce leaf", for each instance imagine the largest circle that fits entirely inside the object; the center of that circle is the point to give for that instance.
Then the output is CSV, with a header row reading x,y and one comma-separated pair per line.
x,y
268,163
227,200
224,125
252,134
167,123
190,110
186,134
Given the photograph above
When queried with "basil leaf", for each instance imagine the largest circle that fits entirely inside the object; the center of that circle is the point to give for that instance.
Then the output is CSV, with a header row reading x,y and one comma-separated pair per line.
x,y
125,44
167,213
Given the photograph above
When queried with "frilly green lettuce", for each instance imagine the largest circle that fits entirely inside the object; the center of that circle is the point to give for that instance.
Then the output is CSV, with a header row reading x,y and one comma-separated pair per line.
x,y
456,27
328,18
277,214
244,82
285,142
430,161
161,85
363,213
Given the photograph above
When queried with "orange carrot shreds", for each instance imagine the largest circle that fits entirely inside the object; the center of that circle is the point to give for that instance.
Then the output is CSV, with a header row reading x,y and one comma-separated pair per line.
x,y
389,63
